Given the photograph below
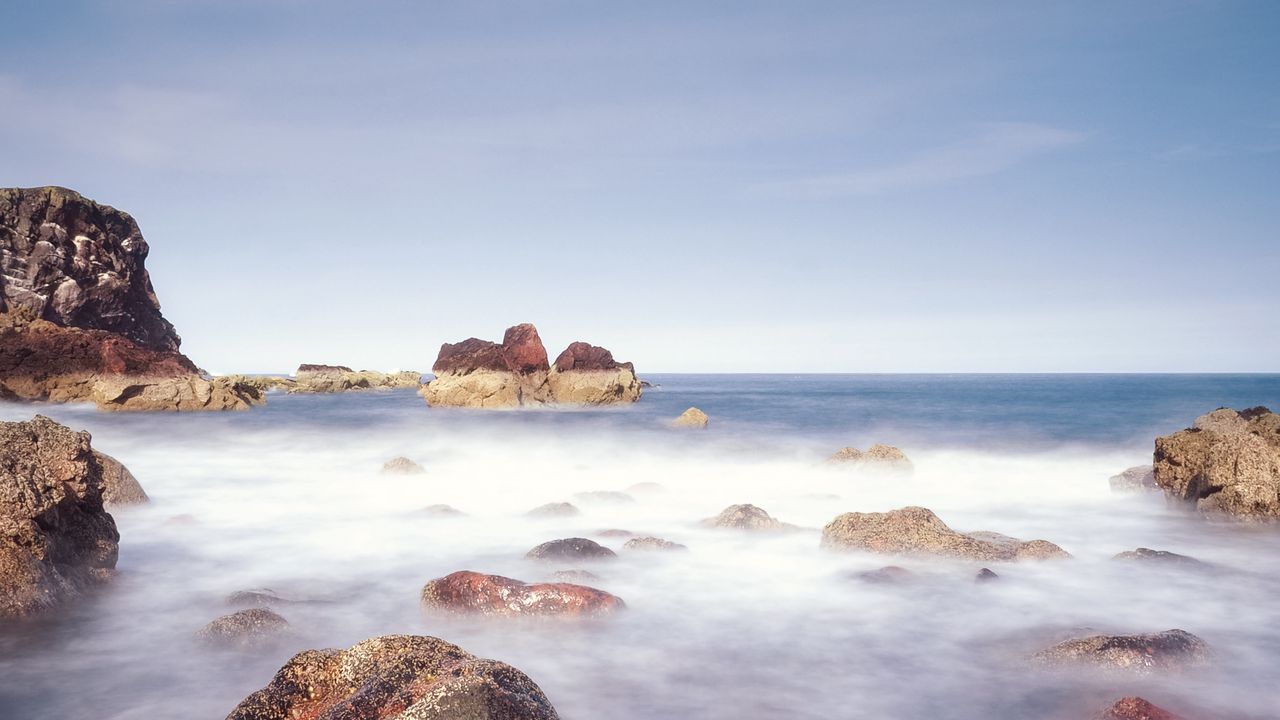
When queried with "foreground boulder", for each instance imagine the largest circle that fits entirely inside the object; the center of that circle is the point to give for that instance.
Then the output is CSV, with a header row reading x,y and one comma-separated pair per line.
x,y
1171,650
250,629
746,517
310,378
481,374
477,593
916,530
397,677
879,456
79,320
692,418
1228,464
1136,479
1136,708
119,486
56,540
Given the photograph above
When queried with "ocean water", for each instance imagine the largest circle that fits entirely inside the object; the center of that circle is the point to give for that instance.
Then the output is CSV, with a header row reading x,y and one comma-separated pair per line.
x,y
742,626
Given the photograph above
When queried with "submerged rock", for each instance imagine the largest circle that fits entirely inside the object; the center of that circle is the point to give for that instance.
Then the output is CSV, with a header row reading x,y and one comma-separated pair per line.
x,y
56,539
614,533
261,597
888,575
119,486
477,593
878,455
397,677
575,576
986,575
443,511
1228,464
572,549
554,510
912,530
1135,479
1136,708
652,544
246,630
691,418
402,466
745,517
1171,650
1160,557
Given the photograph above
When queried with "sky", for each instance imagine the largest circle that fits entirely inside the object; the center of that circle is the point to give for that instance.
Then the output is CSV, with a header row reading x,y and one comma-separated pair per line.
x,y
698,186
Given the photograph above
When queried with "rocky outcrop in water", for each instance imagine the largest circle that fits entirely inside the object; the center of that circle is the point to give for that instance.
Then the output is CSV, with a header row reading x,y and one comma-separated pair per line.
x,y
651,544
79,320
1171,650
339,378
477,593
877,456
402,466
1160,557
481,374
691,418
397,677
570,550
1136,708
916,530
1136,479
119,486
250,629
1228,464
554,510
56,540
746,517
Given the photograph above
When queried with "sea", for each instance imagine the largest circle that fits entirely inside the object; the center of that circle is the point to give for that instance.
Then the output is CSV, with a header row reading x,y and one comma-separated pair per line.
x,y
742,626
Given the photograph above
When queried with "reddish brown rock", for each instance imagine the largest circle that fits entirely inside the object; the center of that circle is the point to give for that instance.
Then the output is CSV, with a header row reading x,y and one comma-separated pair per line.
x,y
913,530
1136,708
585,356
396,677
1227,465
469,356
477,593
522,350
1168,651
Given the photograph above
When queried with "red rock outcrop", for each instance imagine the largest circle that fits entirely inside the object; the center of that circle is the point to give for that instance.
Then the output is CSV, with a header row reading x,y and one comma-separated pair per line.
x,y
477,593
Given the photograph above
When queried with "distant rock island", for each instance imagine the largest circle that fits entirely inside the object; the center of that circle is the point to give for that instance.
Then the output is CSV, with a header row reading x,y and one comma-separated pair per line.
x,y
79,319
516,373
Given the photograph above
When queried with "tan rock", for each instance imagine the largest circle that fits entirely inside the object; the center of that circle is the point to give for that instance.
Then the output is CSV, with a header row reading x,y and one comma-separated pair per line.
x,y
691,418
916,530
1227,465
878,456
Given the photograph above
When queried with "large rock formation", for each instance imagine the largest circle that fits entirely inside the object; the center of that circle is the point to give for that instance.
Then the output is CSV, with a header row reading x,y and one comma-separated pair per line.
x,y
1227,464
397,677
79,320
56,540
339,378
481,374
473,592
913,530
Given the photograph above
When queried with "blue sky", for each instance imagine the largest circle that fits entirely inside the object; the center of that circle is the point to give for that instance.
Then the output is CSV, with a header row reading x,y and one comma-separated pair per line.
x,y
827,187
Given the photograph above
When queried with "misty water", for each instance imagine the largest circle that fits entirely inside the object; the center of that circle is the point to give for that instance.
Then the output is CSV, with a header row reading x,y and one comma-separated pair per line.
x,y
290,497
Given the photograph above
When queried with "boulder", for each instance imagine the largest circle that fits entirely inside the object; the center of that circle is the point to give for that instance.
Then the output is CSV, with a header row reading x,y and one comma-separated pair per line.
x,y
1228,464
554,510
575,576
119,486
745,517
1136,479
402,466
1160,557
1171,650
261,597
986,575
916,530
56,539
888,575
878,456
310,378
649,544
691,418
586,374
570,549
1135,708
614,533
250,629
475,593
397,677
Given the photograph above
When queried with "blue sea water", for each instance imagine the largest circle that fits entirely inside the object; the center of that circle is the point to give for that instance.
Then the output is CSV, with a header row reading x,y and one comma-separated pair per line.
x,y
288,496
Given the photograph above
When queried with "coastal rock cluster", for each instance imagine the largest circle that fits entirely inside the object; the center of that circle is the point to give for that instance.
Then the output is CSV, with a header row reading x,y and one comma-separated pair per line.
x,y
482,374
1227,464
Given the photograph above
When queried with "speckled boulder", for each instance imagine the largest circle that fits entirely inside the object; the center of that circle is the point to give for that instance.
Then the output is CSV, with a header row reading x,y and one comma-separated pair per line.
x,y
402,466
691,418
651,544
477,593
1227,465
745,517
1136,708
916,530
1171,650
570,550
119,486
246,630
396,677
879,456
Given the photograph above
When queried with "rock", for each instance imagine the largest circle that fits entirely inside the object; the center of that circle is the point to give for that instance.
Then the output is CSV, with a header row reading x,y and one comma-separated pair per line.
x,y
1171,650
651,544
397,677
261,597
888,575
310,378
604,497
79,319
554,510
443,511
246,630
986,575
878,456
1136,708
745,517
1227,465
472,592
614,533
56,539
691,418
586,374
261,383
1135,479
575,576
1160,557
916,530
119,486
571,549
402,466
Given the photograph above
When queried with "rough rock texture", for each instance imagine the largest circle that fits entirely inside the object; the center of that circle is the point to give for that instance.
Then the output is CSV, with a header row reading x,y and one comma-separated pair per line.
x,y
119,486
310,378
1228,464
878,456
570,549
472,592
482,374
402,466
1136,708
396,677
652,543
246,630
912,530
745,517
1171,650
691,418
1135,479
554,510
1160,557
76,263
56,540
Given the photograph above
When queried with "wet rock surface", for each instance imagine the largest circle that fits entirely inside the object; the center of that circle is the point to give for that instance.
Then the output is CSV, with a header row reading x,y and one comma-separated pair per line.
x,y
913,530
246,629
119,486
570,549
56,539
477,593
397,677
1171,650
1228,464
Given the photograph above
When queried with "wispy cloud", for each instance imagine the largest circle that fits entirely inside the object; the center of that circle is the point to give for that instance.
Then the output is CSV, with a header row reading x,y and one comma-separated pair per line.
x,y
994,148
